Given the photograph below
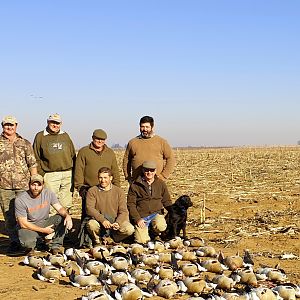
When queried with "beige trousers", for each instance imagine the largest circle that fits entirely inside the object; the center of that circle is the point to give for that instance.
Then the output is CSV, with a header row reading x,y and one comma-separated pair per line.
x,y
60,183
159,225
95,229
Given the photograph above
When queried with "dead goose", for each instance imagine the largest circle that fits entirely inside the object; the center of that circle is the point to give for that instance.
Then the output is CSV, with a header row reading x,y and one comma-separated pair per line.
x,y
166,288
264,293
150,259
286,292
233,262
223,282
72,253
129,292
101,253
245,276
35,261
187,255
119,278
84,280
117,249
189,269
174,243
57,259
213,265
97,295
156,246
272,274
196,285
120,263
137,249
50,273
207,251
95,267
141,275
72,266
194,242
165,272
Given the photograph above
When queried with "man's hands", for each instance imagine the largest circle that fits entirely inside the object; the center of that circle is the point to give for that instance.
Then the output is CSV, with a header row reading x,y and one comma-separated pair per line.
x,y
68,222
141,223
49,229
107,225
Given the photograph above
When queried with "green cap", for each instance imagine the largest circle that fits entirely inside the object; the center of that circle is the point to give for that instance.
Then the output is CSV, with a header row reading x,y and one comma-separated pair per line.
x,y
100,134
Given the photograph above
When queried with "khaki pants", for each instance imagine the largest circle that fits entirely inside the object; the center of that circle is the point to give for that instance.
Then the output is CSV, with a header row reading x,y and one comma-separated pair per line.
x,y
7,203
159,225
96,230
60,183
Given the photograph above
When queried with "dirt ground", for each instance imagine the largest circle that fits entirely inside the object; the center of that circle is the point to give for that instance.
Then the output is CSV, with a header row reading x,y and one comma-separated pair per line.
x,y
251,202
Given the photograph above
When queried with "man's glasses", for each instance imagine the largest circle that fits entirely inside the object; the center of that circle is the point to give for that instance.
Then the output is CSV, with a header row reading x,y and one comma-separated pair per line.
x,y
149,170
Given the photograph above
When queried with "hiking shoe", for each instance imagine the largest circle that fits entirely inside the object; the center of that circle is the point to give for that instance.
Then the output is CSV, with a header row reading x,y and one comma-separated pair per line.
x,y
14,247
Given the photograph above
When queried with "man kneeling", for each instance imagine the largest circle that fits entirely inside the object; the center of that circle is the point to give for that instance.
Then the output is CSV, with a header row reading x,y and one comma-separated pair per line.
x,y
106,205
32,213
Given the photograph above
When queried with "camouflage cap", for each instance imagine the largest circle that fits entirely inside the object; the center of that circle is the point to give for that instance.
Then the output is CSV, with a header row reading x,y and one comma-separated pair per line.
x,y
55,117
9,120
100,134
37,178
149,164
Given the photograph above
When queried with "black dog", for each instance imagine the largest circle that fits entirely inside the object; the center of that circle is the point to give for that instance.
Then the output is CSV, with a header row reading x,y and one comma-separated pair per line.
x,y
176,218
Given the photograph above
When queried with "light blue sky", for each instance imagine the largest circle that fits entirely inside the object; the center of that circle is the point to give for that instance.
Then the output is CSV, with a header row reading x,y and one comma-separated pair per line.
x,y
211,73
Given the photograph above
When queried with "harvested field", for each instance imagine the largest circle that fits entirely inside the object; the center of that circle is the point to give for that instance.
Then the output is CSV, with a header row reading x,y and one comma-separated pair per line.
x,y
251,200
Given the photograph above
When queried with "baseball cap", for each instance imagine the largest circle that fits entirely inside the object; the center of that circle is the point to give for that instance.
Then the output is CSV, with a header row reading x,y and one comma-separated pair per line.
x,y
55,117
10,120
37,178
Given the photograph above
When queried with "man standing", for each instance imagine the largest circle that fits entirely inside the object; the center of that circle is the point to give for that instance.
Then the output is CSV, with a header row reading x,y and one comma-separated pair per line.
x,y
55,154
147,196
106,205
88,162
147,146
17,163
32,213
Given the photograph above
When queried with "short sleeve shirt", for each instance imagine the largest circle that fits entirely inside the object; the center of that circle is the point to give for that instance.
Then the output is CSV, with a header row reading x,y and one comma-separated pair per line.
x,y
35,209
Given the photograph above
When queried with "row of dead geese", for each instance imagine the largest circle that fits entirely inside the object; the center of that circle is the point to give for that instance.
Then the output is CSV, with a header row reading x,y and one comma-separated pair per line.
x,y
167,269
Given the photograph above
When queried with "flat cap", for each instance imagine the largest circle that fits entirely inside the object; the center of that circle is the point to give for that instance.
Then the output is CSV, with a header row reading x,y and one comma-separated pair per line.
x,y
55,117
149,164
100,134
9,120
37,178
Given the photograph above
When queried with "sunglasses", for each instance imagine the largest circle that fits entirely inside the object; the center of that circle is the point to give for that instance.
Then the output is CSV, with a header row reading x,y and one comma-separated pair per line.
x,y
149,170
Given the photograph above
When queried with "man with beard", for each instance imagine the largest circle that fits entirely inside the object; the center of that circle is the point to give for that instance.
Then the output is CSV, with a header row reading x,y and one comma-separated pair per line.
x,y
32,212
17,163
55,154
147,146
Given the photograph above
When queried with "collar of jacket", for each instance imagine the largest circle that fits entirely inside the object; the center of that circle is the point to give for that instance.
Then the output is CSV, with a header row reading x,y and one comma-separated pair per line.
x,y
145,138
102,189
143,182
94,149
48,133
17,136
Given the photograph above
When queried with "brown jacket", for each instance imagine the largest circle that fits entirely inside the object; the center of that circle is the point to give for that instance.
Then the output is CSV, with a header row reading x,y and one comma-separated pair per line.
x,y
141,203
107,205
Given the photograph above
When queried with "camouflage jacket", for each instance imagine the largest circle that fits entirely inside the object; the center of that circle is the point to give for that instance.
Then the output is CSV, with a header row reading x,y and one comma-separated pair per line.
x,y
15,161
